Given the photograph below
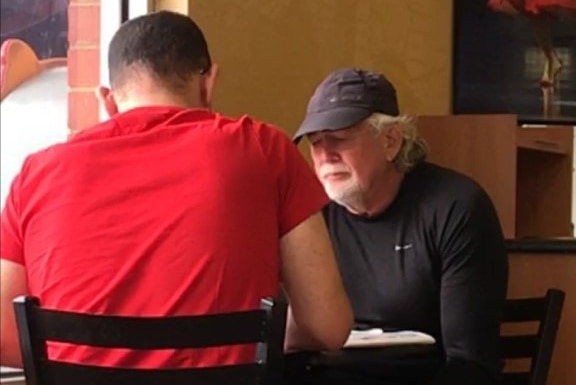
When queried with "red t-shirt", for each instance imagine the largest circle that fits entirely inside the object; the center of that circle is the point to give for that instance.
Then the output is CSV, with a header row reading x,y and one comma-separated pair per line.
x,y
158,211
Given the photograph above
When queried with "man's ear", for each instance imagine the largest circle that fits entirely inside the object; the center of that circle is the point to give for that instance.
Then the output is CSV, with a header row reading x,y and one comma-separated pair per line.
x,y
393,142
207,90
106,100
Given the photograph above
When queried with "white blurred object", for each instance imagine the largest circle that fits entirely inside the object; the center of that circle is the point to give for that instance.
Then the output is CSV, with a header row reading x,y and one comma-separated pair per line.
x,y
34,111
378,337
12,376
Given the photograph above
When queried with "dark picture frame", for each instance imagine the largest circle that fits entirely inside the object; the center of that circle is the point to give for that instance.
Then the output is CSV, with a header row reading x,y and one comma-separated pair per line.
x,y
499,65
42,24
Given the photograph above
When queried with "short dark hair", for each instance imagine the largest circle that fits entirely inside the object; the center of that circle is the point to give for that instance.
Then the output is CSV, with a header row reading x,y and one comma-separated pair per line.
x,y
169,45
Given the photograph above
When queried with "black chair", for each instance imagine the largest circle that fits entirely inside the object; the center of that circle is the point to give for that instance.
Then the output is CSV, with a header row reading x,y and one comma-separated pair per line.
x,y
537,347
264,327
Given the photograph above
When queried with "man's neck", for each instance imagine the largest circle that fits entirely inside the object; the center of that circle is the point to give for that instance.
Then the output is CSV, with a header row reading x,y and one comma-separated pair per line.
x,y
157,97
379,197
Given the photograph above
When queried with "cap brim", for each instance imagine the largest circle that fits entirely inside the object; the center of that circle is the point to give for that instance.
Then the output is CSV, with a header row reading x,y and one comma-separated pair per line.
x,y
334,119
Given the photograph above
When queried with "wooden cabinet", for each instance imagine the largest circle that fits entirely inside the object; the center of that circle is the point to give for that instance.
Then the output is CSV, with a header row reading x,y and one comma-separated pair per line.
x,y
526,171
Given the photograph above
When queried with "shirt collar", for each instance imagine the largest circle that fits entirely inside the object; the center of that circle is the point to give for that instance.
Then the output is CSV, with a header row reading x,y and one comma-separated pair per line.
x,y
143,119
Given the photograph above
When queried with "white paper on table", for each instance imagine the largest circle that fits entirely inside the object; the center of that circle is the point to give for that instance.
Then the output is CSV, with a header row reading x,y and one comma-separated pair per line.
x,y
7,369
378,337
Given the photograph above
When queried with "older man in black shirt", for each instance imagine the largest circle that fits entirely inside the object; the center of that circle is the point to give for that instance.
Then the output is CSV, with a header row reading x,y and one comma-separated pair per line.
x,y
419,246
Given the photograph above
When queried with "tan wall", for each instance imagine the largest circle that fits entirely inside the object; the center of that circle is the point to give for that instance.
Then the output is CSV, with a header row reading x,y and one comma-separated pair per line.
x,y
273,53
181,6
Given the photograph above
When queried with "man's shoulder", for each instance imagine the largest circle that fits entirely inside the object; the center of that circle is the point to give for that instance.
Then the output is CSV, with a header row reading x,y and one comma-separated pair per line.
x,y
247,122
440,192
53,156
442,182
447,176
45,155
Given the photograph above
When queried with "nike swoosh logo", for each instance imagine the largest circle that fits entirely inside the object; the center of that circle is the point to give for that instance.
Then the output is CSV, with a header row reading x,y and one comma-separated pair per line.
x,y
403,247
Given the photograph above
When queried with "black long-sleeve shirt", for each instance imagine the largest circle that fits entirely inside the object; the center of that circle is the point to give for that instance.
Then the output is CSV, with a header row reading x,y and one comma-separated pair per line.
x,y
433,261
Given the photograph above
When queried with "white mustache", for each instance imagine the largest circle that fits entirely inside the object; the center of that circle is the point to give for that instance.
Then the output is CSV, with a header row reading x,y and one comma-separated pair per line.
x,y
328,169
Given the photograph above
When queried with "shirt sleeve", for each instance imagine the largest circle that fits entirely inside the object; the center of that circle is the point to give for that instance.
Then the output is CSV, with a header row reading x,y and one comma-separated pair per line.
x,y
300,194
473,291
11,245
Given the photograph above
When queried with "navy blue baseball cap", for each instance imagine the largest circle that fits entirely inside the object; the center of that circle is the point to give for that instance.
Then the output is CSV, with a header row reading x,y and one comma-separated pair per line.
x,y
345,98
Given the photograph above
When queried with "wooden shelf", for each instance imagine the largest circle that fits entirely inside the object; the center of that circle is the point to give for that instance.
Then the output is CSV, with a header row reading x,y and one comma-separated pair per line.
x,y
548,139
526,171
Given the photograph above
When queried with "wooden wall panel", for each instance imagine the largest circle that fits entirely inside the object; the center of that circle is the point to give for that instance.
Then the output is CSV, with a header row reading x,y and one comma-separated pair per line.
x,y
273,53
530,276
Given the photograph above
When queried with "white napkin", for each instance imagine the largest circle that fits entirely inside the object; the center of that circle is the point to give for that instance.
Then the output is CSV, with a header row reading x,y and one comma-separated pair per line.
x,y
378,337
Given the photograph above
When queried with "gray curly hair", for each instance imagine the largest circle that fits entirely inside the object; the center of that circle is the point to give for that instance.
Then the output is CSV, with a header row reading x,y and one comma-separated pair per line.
x,y
414,148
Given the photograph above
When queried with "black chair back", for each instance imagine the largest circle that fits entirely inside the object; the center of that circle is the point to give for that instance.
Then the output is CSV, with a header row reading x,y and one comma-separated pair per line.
x,y
264,327
537,347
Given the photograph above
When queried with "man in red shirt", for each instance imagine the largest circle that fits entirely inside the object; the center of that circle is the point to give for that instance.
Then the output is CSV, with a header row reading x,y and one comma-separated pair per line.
x,y
169,209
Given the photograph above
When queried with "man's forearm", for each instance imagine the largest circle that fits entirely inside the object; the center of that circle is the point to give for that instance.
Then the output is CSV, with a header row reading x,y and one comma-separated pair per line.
x,y
10,352
297,339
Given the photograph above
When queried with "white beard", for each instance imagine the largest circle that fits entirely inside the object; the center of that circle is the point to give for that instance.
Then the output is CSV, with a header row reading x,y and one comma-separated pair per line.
x,y
345,193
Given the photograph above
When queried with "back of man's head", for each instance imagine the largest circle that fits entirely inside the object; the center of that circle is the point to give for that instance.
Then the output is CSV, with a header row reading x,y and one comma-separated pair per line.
x,y
168,47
